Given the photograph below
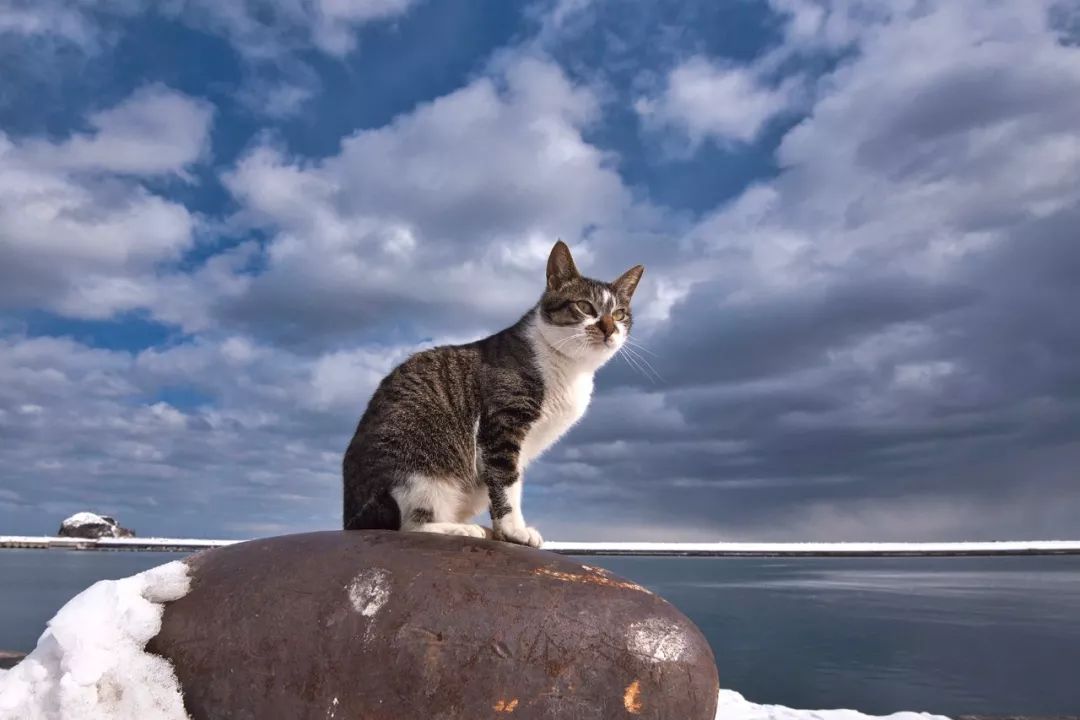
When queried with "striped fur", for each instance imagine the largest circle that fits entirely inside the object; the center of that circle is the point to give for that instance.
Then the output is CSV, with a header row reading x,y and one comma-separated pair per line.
x,y
449,432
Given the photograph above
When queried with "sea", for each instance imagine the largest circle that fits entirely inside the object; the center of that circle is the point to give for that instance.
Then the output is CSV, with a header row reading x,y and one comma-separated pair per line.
x,y
953,636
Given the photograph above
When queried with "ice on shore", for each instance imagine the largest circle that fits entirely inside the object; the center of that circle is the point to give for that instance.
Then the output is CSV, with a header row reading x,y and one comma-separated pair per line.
x,y
91,663
733,706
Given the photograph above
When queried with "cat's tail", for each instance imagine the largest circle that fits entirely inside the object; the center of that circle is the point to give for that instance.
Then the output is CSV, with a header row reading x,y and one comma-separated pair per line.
x,y
378,512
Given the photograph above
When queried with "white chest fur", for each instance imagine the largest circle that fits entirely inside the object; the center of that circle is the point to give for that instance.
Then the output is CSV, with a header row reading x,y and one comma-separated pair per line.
x,y
566,397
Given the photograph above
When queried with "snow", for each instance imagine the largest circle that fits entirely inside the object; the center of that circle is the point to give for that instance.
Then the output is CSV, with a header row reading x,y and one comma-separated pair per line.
x,y
369,591
657,638
85,518
151,542
90,662
733,706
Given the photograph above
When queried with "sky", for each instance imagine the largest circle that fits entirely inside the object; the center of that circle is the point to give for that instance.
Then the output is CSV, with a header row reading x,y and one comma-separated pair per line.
x,y
222,223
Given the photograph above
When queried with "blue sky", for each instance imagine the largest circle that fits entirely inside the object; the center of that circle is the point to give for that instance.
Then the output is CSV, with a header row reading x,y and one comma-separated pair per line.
x,y
222,223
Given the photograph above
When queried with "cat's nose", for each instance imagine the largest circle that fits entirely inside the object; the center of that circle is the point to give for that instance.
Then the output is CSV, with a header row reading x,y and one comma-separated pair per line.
x,y
607,326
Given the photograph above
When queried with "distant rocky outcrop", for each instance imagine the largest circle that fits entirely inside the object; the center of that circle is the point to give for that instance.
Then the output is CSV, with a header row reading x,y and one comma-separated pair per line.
x,y
92,526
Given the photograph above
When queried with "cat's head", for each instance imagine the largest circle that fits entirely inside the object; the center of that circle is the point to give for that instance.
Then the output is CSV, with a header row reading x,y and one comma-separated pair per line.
x,y
581,318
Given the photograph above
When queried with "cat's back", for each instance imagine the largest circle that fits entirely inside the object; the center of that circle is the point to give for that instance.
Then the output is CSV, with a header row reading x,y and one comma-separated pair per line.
x,y
442,388
419,421
443,376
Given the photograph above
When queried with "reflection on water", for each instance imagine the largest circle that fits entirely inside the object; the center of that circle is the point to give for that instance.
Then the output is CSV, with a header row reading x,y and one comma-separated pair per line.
x,y
947,635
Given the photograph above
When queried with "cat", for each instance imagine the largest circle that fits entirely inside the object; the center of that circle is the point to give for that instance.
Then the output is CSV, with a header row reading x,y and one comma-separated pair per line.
x,y
449,432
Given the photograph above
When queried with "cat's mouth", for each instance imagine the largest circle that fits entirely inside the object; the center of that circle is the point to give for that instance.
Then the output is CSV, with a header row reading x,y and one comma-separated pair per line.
x,y
597,341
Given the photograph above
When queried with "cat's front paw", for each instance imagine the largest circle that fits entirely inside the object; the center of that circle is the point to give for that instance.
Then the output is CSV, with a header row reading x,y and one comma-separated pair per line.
x,y
521,535
462,529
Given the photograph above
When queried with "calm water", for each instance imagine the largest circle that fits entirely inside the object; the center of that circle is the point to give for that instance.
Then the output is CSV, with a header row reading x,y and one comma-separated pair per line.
x,y
948,635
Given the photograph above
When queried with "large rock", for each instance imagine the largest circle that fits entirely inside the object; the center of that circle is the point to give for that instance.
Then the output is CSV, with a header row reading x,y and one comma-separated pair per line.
x,y
92,526
379,625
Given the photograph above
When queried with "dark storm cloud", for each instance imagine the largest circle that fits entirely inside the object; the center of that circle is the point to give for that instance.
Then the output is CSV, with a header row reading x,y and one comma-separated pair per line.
x,y
766,420
712,341
914,373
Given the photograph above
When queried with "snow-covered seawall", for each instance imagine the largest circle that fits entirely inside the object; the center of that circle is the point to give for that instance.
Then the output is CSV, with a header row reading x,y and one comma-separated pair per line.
x,y
90,663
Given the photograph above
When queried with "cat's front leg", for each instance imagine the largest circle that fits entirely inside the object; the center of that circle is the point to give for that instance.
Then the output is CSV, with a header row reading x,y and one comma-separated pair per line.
x,y
500,437
510,526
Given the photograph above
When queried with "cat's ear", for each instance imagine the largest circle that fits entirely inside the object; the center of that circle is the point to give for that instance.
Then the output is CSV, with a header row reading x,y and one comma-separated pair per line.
x,y
560,266
627,282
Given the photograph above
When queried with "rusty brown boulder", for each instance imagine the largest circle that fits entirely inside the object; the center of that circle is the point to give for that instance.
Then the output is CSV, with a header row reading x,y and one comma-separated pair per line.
x,y
372,625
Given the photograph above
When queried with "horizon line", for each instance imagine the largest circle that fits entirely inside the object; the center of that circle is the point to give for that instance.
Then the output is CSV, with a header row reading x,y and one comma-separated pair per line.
x,y
654,549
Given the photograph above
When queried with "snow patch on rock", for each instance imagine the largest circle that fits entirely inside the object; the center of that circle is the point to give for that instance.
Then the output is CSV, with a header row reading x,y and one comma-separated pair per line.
x,y
90,663
90,526
85,518
369,591
659,639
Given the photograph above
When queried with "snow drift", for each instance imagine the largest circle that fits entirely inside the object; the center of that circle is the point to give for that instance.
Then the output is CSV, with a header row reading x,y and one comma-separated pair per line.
x,y
733,706
90,663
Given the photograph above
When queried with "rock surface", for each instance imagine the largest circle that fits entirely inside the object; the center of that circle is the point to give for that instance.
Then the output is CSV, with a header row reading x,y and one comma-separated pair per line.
x,y
395,626
92,526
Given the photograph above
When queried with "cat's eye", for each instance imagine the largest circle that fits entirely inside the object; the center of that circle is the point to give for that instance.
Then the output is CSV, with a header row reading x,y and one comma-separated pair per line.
x,y
586,307
619,314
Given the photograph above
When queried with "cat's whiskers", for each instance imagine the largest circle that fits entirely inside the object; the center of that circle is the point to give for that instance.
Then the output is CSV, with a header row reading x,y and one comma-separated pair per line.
x,y
570,337
648,365
557,347
584,344
640,346
627,360
638,357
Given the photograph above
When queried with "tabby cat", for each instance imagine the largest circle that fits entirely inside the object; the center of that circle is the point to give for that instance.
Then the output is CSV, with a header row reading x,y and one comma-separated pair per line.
x,y
449,432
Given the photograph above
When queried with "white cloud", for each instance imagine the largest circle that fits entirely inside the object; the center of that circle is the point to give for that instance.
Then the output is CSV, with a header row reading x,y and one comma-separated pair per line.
x,y
270,36
335,21
46,19
260,29
72,22
263,30
709,100
350,233
949,126
946,127
833,24
538,172
153,131
76,235
278,99
260,441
